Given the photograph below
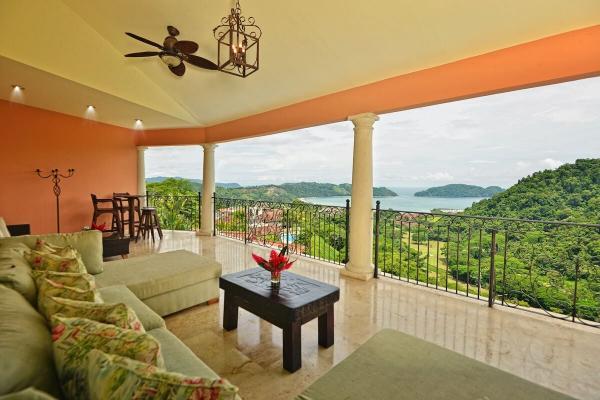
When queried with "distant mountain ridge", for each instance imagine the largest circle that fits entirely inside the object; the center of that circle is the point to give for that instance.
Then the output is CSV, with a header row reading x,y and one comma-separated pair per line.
x,y
155,179
286,192
460,190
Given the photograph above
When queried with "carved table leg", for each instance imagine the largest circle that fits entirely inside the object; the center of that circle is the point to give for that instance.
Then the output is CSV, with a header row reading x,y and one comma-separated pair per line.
x,y
230,313
292,347
326,327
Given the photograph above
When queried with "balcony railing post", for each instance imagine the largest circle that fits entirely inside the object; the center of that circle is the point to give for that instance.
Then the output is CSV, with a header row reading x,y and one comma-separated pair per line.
x,y
147,198
492,278
199,210
214,213
347,231
377,219
574,311
246,223
287,228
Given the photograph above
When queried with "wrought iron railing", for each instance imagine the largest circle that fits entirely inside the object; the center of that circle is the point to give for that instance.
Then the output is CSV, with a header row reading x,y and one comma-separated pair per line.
x,y
548,267
177,212
542,266
314,231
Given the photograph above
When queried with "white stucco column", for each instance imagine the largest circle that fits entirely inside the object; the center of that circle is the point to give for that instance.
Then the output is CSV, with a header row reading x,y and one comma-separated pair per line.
x,y
141,170
360,264
208,188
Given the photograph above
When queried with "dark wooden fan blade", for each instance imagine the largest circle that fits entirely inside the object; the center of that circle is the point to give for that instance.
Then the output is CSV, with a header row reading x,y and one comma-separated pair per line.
x,y
143,54
200,62
179,70
141,39
186,46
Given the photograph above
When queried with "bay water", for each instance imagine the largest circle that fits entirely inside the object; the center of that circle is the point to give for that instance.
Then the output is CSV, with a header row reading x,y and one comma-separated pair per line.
x,y
405,201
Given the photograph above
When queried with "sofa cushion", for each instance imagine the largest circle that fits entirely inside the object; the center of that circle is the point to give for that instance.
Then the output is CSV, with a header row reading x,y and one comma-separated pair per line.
x,y
121,294
178,357
54,262
15,273
117,314
74,338
28,394
73,279
114,377
87,243
159,273
25,347
49,288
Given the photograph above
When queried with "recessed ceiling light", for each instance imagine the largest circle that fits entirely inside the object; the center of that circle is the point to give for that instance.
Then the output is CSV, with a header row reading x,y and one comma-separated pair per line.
x,y
17,87
138,124
91,107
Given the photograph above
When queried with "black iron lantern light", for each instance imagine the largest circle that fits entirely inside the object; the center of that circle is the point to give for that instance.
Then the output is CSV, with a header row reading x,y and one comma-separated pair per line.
x,y
237,43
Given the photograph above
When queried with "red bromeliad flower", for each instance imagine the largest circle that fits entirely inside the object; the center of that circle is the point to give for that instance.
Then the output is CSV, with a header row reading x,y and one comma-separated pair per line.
x,y
277,261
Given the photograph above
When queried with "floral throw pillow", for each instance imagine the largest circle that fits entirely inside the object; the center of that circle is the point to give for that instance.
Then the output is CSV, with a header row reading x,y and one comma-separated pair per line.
x,y
72,279
49,288
74,338
54,262
112,377
118,314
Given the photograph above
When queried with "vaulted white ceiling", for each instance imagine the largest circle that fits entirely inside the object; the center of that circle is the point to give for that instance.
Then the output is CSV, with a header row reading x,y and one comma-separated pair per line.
x,y
70,53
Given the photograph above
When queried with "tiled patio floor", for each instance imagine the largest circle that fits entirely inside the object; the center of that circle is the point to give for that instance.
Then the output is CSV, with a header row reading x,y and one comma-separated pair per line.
x,y
553,353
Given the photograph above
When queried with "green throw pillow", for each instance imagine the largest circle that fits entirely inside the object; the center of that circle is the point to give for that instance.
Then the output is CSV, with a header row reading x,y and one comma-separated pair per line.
x,y
26,357
118,314
15,273
72,279
54,262
28,394
49,288
74,338
111,377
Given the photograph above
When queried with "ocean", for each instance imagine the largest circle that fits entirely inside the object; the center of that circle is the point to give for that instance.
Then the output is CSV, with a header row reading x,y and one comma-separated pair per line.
x,y
405,201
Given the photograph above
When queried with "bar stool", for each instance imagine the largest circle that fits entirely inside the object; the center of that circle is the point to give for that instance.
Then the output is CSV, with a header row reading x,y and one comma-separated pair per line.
x,y
124,200
148,223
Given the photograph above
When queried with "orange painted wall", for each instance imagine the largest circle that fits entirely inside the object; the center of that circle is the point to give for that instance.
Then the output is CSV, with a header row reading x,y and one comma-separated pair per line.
x,y
563,57
104,158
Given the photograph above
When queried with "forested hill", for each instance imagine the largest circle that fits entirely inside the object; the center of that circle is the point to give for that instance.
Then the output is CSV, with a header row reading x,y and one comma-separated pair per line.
x,y
460,190
196,182
569,193
286,192
314,189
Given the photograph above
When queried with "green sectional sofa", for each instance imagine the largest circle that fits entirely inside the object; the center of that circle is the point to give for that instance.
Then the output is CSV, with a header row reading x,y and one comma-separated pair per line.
x,y
153,286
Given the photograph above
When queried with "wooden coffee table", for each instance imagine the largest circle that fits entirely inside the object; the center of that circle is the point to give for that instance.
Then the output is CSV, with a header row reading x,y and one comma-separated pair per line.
x,y
298,301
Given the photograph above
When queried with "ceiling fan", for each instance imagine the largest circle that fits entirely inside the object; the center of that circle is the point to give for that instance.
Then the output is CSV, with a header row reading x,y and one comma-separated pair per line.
x,y
174,52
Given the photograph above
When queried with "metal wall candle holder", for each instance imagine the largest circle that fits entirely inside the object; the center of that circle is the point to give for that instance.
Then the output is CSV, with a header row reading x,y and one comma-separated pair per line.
x,y
237,43
56,178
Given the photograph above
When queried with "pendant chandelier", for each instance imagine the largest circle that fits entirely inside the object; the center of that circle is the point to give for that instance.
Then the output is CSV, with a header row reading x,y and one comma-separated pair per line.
x,y
237,43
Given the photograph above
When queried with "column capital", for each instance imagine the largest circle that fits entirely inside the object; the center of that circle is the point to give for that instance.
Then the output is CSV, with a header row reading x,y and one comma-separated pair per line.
x,y
209,146
142,148
364,119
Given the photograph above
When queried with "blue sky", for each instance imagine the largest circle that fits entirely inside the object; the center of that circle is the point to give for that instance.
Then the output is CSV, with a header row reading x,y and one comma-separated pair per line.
x,y
492,140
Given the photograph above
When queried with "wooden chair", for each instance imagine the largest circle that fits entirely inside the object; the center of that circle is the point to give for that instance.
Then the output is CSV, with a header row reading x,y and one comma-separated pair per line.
x,y
107,206
148,223
123,206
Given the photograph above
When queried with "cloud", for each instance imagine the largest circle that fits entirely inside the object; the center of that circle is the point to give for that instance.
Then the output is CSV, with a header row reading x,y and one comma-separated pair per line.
x,y
552,163
482,162
491,140
435,177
